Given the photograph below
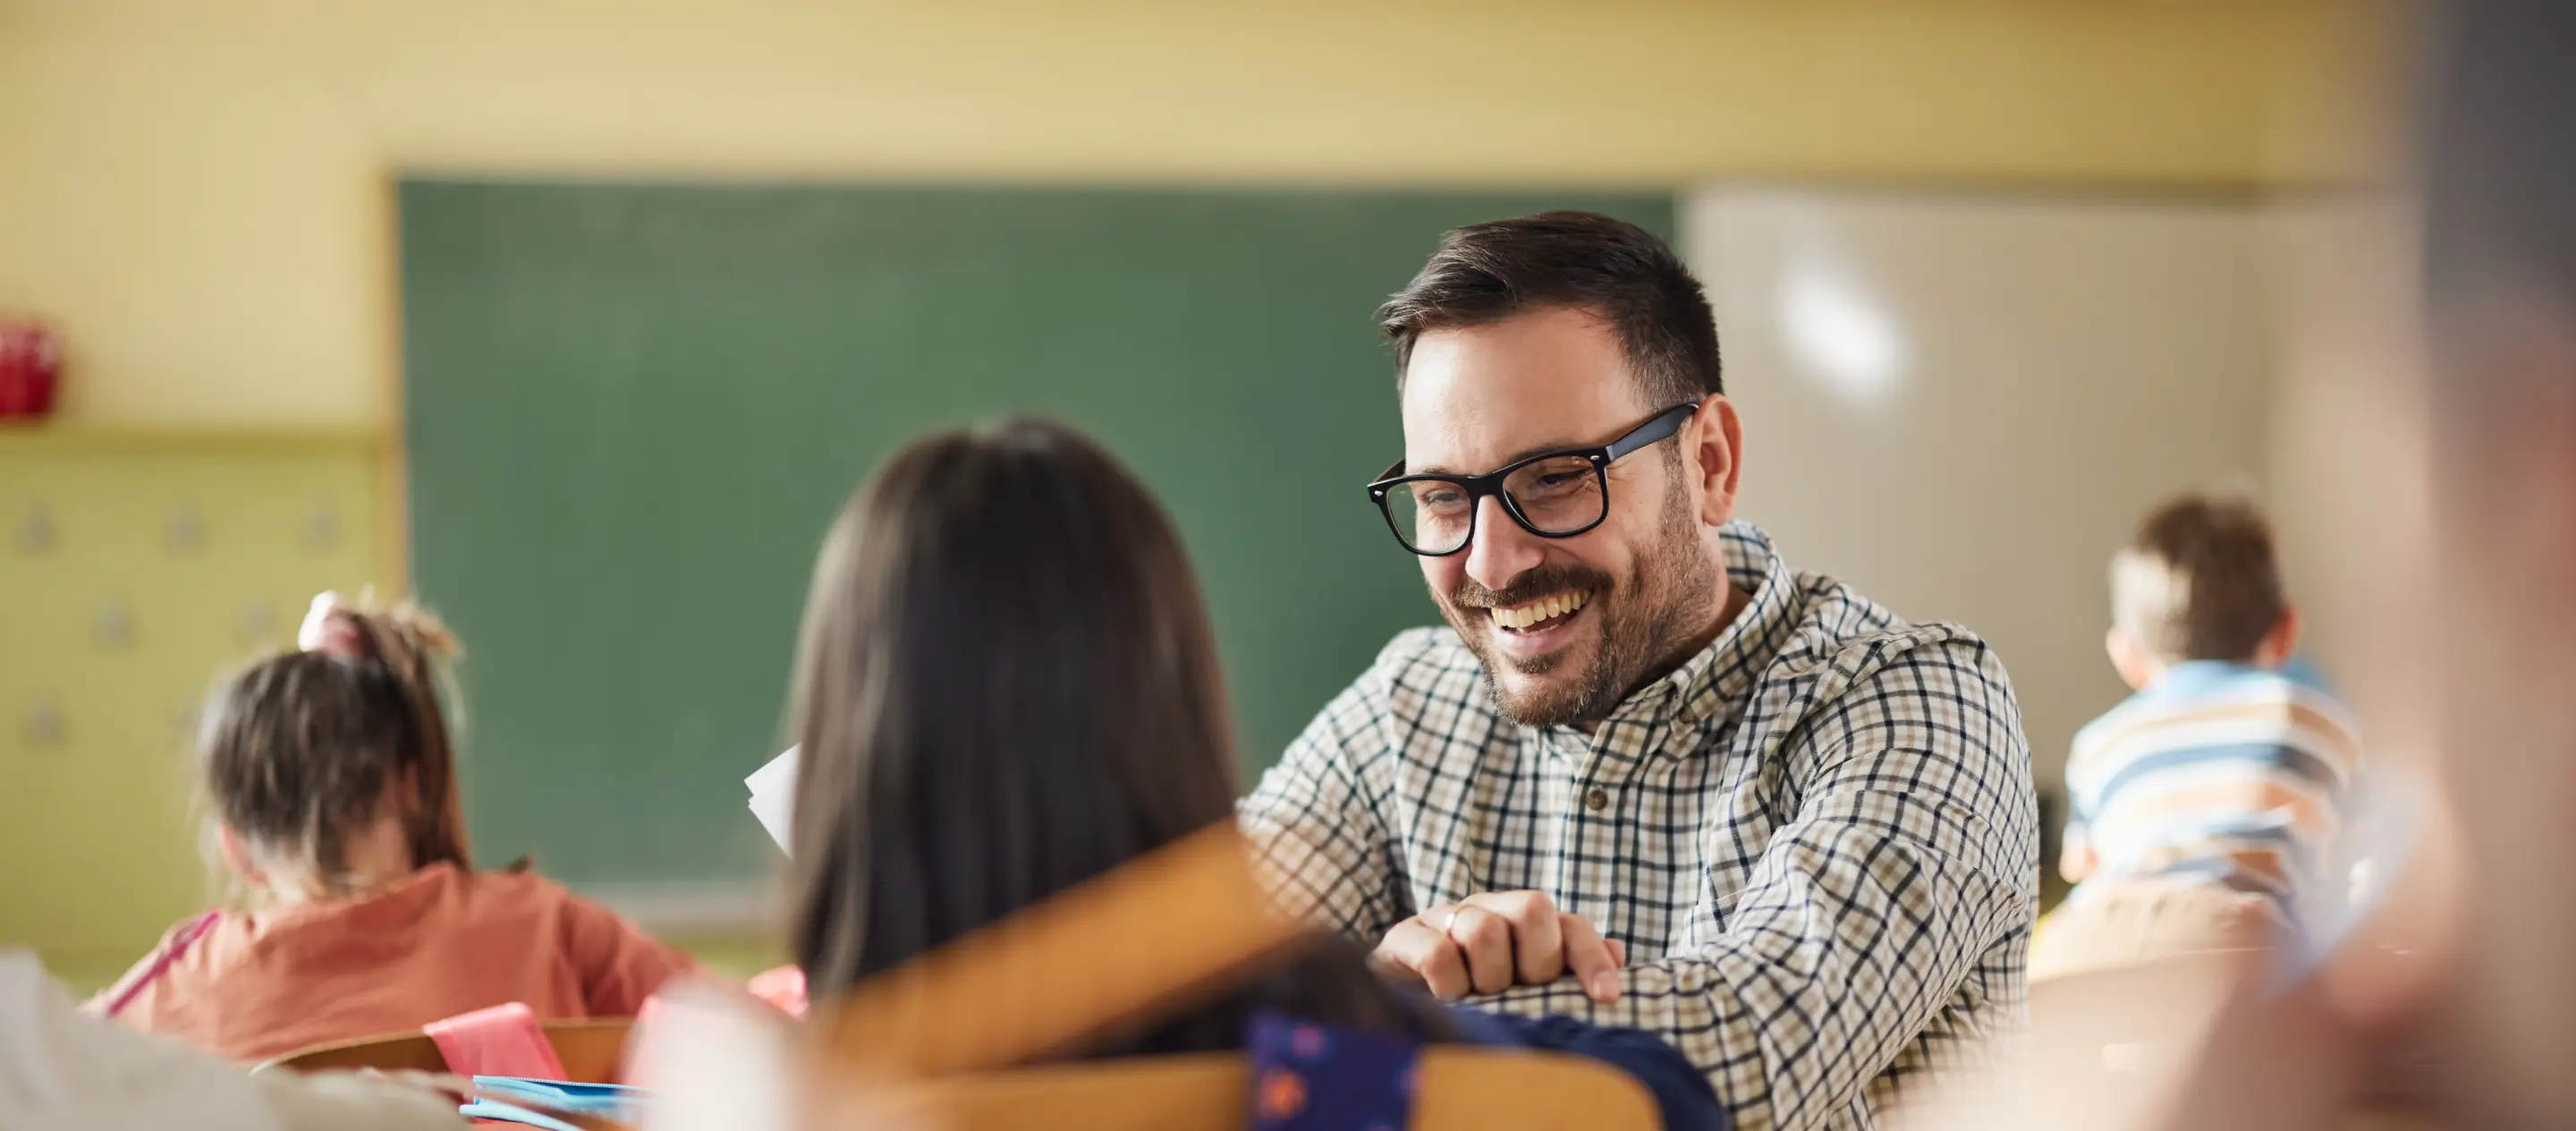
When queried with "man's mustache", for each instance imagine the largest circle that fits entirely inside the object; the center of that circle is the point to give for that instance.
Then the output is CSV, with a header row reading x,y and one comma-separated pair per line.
x,y
1545,581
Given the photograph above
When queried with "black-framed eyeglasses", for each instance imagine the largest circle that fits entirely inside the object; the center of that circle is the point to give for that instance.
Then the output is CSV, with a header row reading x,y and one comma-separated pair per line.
x,y
1556,494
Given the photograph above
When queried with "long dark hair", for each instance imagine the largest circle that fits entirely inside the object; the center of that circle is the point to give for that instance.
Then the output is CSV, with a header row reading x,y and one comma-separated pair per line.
x,y
1007,685
301,750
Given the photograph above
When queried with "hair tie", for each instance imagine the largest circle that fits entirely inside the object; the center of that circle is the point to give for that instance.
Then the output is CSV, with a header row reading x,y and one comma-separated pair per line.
x,y
331,629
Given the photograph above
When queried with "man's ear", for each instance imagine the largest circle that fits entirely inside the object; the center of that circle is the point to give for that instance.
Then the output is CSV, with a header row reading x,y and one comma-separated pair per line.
x,y
1714,454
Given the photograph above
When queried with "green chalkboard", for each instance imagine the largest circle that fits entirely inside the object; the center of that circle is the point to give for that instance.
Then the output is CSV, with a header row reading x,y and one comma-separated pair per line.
x,y
632,409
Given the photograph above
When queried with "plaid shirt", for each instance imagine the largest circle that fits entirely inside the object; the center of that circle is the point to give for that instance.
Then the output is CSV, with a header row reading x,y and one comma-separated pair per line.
x,y
1817,838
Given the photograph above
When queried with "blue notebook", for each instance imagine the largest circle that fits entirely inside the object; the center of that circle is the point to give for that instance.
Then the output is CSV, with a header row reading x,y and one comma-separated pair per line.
x,y
605,1101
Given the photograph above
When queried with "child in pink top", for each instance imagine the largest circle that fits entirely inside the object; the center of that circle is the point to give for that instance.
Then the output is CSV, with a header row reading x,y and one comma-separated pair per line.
x,y
333,785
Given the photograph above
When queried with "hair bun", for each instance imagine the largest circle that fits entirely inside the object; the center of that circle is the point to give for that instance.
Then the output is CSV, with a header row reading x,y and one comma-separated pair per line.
x,y
330,628
363,630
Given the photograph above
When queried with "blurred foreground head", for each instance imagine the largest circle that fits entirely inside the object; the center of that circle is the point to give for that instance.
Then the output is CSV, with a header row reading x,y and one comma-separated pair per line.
x,y
1006,686
2461,977
2500,258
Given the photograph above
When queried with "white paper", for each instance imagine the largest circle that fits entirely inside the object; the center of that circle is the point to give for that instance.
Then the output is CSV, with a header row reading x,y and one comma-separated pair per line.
x,y
773,796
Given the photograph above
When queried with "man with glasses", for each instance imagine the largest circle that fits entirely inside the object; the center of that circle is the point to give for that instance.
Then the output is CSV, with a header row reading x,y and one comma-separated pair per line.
x,y
1649,776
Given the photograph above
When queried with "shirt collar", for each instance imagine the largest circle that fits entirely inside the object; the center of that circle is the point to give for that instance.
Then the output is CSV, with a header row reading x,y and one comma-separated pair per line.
x,y
2199,677
1718,680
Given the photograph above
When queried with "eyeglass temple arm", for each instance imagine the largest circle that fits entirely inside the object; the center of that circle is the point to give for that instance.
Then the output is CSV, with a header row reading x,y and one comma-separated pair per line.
x,y
1664,424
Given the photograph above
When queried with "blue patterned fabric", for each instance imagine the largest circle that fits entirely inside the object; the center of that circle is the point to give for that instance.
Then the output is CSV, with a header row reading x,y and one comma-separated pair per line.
x,y
1309,1077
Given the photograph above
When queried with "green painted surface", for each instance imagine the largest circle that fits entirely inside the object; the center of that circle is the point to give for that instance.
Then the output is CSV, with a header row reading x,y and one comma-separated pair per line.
x,y
633,409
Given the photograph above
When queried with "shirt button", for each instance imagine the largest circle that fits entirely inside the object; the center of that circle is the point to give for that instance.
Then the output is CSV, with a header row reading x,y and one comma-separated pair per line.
x,y
1596,799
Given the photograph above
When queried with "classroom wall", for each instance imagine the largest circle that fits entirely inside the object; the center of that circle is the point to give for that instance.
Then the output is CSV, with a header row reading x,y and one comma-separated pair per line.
x,y
2349,455
196,191
1962,403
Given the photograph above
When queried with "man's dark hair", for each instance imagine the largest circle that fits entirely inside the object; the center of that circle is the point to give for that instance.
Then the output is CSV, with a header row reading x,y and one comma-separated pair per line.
x,y
1484,273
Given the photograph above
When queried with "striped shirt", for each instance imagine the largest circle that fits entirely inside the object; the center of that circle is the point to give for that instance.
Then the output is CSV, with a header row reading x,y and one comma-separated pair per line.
x,y
2216,771
1817,839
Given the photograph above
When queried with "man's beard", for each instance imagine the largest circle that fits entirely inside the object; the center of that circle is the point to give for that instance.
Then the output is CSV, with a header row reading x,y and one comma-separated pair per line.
x,y
1665,600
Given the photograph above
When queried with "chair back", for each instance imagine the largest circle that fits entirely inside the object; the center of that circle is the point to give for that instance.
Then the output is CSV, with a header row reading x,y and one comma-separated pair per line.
x,y
590,1050
1056,974
957,1038
1462,1089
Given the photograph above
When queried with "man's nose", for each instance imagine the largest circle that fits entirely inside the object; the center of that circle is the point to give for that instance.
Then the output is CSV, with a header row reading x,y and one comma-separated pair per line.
x,y
1502,550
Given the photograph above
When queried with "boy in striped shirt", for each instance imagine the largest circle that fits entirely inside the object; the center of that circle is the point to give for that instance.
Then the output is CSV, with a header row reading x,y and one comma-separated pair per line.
x,y
2204,807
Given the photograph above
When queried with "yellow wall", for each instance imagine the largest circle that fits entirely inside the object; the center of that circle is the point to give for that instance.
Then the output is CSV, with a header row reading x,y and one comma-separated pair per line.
x,y
195,190
138,563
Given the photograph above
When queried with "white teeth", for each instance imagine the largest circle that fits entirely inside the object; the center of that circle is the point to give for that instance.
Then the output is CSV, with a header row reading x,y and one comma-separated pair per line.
x,y
1543,609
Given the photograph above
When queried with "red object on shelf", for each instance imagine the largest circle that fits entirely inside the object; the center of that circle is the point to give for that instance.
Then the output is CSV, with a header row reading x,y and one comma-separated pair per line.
x,y
31,367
